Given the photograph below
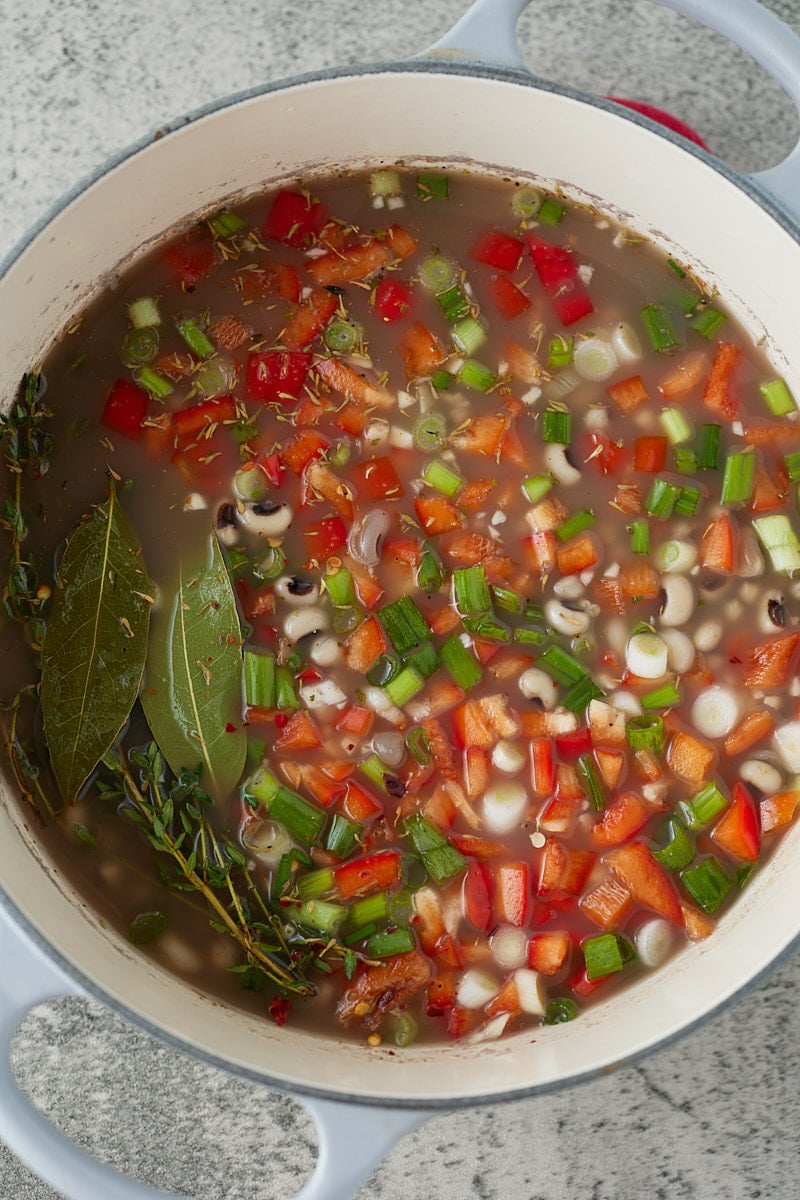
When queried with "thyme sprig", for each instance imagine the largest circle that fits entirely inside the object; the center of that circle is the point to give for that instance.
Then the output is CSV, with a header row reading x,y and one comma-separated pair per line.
x,y
174,816
26,771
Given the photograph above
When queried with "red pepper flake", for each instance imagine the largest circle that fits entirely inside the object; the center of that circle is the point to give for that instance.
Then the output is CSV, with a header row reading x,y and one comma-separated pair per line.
x,y
279,1009
229,728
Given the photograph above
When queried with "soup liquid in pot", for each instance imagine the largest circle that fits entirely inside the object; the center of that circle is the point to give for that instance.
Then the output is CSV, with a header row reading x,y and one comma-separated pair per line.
x,y
566,750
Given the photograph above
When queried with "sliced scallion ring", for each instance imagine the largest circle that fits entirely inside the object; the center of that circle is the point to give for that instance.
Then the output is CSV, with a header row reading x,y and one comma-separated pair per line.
x,y
526,203
436,273
430,432
140,346
341,337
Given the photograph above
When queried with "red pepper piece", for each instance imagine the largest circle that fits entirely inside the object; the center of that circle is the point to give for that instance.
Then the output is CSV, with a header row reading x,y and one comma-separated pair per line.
x,y
393,300
572,745
372,873
508,299
738,831
309,320
359,804
125,409
478,886
645,879
325,537
498,249
187,423
300,733
276,376
649,454
273,468
559,277
189,261
604,454
377,480
622,818
294,219
512,893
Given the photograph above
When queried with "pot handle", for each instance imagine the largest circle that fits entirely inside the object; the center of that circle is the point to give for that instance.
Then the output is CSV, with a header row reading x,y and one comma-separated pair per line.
x,y
487,34
353,1139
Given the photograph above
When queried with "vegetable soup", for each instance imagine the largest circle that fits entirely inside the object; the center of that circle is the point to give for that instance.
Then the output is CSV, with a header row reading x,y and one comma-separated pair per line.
x,y
400,606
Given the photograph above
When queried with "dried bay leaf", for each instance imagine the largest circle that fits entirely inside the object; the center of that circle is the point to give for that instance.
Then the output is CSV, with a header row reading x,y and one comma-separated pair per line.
x,y
95,644
192,692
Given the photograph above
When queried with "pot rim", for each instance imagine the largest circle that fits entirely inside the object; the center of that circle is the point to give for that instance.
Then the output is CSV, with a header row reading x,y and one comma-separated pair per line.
x,y
430,64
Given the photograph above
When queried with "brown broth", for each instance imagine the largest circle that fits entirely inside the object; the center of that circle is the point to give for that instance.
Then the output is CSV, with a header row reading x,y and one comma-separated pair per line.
x,y
119,874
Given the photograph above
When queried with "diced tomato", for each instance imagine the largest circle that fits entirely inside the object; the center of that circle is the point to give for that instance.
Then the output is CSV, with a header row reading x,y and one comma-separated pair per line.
x,y
572,745
506,1000
578,555
649,454
355,720
364,645
298,452
475,494
769,664
190,260
719,395
393,300
512,893
559,277
377,480
436,515
372,873
737,830
717,545
621,819
645,879
441,750
421,350
359,804
547,952
604,454
628,394
125,409
325,537
309,319
448,951
276,376
608,904
508,299
299,733
610,764
498,249
294,219
478,887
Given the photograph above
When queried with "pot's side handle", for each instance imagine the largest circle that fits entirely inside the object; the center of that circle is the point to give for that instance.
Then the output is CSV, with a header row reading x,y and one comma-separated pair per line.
x,y
775,47
353,1141
487,33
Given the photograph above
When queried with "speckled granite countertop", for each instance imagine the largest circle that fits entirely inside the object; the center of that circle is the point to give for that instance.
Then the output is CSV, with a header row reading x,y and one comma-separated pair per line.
x,y
712,1117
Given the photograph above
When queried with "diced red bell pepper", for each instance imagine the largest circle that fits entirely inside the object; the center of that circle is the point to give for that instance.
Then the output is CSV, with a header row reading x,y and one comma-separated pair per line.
x,y
458,1021
276,376
355,720
717,545
508,299
478,886
364,645
436,515
421,350
645,879
309,319
368,590
325,790
578,555
325,537
543,771
440,809
277,279
649,454
719,394
737,831
472,727
377,480
621,819
441,994
294,219
189,261
769,663
498,249
560,814
604,454
559,277
188,423
476,847
547,952
770,491
273,468
359,804
125,409
298,452
512,893
372,873
393,300
299,733
571,746
779,810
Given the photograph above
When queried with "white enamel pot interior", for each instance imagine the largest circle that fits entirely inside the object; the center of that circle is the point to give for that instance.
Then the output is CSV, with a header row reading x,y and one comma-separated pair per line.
x,y
432,111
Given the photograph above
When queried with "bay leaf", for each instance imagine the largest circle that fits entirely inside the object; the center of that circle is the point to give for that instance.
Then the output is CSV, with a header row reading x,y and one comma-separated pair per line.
x,y
192,693
95,644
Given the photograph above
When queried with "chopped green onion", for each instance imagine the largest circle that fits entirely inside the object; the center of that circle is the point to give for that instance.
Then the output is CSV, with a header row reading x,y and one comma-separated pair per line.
x,y
677,268
250,485
144,312
468,335
506,599
433,187
314,884
708,448
270,564
259,680
536,487
155,384
557,426
561,666
375,770
662,498
560,352
424,659
302,819
385,182
364,931
339,454
345,620
738,477
530,637
343,836
663,697
778,398
707,884
405,686
475,375
793,466
387,943
659,328
526,203
340,588
688,501
686,461
385,668
646,733
744,874
226,224
551,211
461,665
640,537
580,694
441,380
341,337
439,476
603,955
195,339
707,803
591,781
575,524
438,274
679,850
285,691
676,425
560,1011
369,910
419,746
430,431
454,304
707,322
471,590
430,575
441,859
404,624
321,916
140,346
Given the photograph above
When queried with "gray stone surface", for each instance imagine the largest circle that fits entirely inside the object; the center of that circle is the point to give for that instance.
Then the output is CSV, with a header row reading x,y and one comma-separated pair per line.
x,y
712,1117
